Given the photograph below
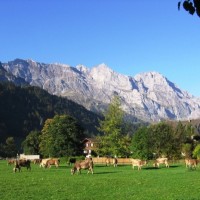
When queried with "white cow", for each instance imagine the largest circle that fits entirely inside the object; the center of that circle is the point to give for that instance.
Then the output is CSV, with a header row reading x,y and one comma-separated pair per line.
x,y
191,163
138,163
159,161
43,162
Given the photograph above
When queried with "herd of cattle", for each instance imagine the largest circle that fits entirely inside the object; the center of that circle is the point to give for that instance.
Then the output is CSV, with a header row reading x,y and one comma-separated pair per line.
x,y
45,163
89,165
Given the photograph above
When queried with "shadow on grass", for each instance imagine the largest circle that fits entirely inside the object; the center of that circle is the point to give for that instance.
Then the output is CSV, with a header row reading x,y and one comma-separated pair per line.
x,y
174,166
64,167
155,168
191,169
150,168
110,166
106,172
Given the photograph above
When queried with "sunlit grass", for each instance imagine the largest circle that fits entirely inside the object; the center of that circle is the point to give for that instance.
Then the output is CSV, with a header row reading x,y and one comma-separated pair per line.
x,y
122,182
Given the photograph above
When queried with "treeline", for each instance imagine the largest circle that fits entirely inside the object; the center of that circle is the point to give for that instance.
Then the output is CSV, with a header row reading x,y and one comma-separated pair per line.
x,y
172,140
49,125
25,109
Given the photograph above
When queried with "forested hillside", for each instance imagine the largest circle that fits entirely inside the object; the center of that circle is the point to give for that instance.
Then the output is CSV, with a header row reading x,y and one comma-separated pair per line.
x,y
23,109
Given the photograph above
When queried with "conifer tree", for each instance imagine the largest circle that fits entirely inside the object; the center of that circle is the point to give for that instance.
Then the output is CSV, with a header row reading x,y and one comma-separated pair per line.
x,y
112,142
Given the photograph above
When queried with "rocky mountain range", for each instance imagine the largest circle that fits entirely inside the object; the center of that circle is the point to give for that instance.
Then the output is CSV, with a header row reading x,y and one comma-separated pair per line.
x,y
148,96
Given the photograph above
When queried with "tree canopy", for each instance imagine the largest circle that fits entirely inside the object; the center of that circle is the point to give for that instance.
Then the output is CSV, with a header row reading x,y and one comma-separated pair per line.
x,y
31,143
163,139
8,149
61,136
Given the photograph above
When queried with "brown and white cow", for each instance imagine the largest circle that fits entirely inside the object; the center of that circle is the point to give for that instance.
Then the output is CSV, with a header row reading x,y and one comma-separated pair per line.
x,y
115,162
107,161
43,162
21,163
84,164
53,161
159,161
48,162
37,161
138,163
191,163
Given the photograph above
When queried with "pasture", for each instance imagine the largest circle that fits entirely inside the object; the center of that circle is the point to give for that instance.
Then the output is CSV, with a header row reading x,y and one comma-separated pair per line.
x,y
121,183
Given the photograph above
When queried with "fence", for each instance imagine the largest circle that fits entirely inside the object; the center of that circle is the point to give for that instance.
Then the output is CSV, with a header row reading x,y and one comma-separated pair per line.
x,y
102,160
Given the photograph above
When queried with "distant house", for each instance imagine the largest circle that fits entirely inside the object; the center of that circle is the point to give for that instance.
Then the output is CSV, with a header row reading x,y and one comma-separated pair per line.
x,y
90,145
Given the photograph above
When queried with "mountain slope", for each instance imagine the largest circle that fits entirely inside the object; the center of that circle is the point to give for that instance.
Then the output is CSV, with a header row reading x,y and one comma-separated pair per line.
x,y
23,109
148,96
8,77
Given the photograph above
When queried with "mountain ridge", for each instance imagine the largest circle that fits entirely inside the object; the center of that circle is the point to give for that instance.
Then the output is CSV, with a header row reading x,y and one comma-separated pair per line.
x,y
148,96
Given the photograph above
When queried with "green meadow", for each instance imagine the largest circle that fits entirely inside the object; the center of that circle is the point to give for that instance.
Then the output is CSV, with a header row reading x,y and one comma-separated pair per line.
x,y
118,183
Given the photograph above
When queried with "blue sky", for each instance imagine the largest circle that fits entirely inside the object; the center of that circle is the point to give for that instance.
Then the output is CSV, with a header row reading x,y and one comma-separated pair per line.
x,y
129,36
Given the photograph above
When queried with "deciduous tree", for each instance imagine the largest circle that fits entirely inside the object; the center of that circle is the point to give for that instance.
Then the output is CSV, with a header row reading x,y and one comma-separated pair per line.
x,y
61,136
31,143
191,6
154,140
161,139
196,152
10,147
140,144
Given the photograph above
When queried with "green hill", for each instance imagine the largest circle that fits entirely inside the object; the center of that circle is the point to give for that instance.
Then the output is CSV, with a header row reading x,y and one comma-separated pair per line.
x,y
25,108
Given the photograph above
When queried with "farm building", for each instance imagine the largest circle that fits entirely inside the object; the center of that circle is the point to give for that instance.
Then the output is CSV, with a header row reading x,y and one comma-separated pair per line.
x,y
90,145
29,157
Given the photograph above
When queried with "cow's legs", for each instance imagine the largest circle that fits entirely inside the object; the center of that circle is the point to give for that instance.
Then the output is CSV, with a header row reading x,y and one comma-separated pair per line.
x,y
91,170
78,171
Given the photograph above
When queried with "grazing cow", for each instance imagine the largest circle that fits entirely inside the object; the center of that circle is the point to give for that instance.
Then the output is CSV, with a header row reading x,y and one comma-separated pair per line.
x,y
107,161
138,163
37,161
21,163
53,161
159,161
115,161
84,164
43,162
191,163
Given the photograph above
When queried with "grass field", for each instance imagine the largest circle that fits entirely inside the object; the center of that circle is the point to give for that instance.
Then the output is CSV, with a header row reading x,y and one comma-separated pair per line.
x,y
121,183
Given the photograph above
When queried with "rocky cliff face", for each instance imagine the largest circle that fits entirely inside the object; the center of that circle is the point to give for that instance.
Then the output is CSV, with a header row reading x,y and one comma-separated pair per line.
x,y
8,77
148,96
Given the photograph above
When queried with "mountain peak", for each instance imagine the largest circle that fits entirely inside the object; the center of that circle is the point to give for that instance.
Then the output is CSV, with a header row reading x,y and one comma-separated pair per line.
x,y
103,66
31,60
102,73
150,75
82,68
